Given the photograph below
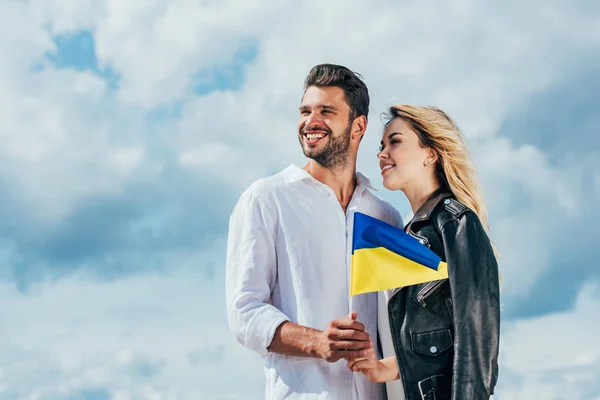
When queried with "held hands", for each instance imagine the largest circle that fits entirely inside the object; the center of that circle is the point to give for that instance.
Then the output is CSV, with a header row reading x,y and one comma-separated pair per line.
x,y
368,364
344,338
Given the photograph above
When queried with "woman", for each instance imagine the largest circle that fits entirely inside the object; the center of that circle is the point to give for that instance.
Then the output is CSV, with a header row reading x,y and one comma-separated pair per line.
x,y
445,333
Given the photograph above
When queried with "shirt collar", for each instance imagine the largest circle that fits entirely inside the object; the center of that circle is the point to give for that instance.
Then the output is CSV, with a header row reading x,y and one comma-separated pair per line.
x,y
362,180
293,173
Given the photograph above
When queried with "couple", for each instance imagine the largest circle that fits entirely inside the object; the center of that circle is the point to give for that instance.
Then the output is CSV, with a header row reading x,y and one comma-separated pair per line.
x,y
288,257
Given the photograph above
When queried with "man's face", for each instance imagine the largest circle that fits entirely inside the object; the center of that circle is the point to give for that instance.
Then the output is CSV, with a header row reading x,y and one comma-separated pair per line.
x,y
324,127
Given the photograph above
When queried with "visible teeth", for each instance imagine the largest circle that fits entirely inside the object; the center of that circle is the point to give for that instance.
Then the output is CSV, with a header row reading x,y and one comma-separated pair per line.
x,y
386,167
312,136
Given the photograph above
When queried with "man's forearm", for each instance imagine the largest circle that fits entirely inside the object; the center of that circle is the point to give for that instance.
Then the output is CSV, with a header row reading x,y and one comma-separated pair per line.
x,y
295,340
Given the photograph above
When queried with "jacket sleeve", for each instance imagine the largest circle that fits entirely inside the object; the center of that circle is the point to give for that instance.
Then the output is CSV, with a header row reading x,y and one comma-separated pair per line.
x,y
251,271
473,275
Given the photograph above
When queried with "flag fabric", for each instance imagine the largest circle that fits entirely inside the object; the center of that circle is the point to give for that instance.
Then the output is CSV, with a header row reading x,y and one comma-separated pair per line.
x,y
385,257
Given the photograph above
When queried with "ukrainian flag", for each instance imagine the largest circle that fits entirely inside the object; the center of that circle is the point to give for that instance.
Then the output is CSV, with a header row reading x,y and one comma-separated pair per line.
x,y
385,257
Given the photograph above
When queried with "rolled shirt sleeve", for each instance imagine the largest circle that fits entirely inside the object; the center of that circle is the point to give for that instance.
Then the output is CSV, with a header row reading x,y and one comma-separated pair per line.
x,y
251,271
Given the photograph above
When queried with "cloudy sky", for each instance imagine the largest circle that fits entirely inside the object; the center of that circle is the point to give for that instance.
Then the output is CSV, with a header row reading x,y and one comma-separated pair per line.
x,y
130,127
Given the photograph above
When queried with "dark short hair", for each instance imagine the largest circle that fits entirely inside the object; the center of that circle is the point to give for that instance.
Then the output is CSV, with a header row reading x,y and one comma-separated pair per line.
x,y
355,90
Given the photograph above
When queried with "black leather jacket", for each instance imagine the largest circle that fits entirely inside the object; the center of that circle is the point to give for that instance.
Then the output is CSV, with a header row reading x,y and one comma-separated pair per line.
x,y
446,332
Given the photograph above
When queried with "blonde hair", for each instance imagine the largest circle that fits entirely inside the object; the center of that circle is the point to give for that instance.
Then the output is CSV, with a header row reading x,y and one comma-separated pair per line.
x,y
453,167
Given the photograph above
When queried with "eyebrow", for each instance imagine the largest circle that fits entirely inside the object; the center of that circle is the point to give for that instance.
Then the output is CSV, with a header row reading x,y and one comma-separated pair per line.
x,y
321,106
391,135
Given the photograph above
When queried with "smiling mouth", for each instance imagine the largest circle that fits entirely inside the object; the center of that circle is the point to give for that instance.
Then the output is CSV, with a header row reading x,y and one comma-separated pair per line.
x,y
312,138
386,168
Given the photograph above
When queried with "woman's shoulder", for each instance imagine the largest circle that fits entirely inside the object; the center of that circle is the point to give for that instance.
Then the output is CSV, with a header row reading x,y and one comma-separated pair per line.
x,y
451,210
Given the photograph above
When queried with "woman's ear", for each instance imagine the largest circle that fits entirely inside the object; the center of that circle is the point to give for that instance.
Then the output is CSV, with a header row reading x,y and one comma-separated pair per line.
x,y
432,157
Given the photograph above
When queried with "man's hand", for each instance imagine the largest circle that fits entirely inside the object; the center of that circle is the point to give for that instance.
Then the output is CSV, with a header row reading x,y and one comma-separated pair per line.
x,y
343,338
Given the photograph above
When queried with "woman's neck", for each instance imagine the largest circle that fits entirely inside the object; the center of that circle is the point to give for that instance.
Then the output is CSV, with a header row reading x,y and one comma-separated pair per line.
x,y
418,194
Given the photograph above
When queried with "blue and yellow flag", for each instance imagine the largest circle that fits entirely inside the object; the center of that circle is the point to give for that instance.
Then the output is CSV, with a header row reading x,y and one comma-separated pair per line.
x,y
385,257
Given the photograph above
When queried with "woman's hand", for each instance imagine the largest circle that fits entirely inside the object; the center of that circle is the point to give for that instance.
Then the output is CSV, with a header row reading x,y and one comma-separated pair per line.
x,y
367,364
374,369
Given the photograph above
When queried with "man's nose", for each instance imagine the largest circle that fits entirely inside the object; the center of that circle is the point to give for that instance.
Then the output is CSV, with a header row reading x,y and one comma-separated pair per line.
x,y
312,120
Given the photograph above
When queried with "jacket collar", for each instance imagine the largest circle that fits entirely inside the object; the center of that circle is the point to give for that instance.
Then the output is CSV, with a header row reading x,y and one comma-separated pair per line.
x,y
424,212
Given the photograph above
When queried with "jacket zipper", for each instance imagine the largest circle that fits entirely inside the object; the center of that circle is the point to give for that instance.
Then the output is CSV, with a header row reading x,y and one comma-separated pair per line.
x,y
423,240
431,287
428,290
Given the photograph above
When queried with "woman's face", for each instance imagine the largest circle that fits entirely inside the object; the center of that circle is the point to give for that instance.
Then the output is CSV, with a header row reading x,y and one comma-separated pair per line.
x,y
402,159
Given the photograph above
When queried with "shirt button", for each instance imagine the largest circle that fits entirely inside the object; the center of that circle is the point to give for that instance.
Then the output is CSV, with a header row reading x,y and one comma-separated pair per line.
x,y
447,201
433,349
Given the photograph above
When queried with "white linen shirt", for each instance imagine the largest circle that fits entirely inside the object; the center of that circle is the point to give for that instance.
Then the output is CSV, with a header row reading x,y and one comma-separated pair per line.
x,y
288,259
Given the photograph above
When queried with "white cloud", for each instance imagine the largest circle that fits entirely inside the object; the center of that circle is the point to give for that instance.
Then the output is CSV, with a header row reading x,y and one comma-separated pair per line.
x,y
157,333
157,47
64,16
531,201
557,356
221,161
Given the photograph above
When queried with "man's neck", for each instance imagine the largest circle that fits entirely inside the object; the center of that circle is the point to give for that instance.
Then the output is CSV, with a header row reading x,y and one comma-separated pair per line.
x,y
341,180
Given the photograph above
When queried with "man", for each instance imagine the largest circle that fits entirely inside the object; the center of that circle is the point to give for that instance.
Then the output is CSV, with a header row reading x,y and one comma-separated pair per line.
x,y
289,251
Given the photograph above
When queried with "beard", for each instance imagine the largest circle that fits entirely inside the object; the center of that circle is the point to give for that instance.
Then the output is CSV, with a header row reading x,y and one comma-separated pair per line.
x,y
336,152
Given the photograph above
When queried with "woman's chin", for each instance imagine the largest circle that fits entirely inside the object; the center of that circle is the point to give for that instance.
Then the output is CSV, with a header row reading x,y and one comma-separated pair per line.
x,y
390,185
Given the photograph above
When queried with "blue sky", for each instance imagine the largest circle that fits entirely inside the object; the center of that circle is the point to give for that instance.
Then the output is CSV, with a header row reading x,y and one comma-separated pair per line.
x,y
129,131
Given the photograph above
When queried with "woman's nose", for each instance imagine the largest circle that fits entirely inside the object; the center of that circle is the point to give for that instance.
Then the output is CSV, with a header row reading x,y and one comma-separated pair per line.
x,y
382,155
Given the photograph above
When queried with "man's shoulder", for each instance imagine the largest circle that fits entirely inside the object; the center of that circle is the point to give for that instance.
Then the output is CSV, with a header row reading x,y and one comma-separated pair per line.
x,y
264,188
377,201
259,194
384,209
